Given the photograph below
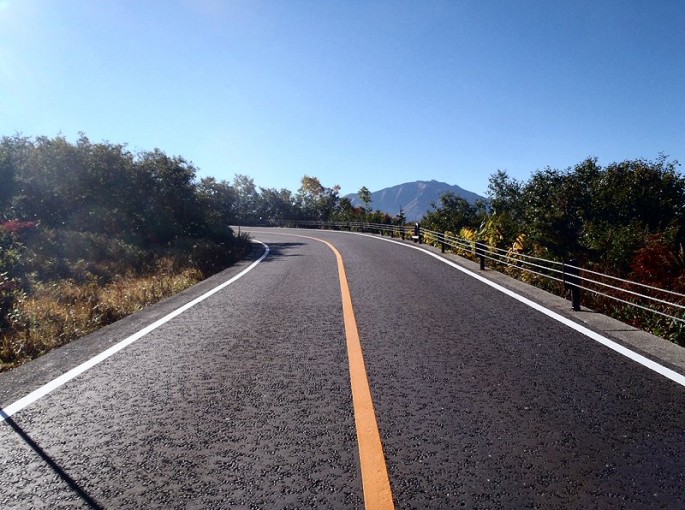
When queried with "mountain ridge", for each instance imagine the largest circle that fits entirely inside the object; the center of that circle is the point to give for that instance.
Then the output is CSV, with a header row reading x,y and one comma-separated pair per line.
x,y
415,198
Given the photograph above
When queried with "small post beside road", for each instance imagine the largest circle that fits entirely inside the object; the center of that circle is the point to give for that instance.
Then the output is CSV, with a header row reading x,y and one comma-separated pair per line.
x,y
572,282
480,252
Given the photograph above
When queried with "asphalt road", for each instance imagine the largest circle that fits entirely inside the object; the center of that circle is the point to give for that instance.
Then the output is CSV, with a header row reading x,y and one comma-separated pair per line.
x,y
244,400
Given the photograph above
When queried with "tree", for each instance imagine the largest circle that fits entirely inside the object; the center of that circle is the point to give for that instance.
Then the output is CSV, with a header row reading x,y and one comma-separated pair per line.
x,y
308,196
219,203
379,216
317,202
365,196
598,215
172,206
551,213
8,173
505,220
628,202
452,215
276,204
401,218
346,211
248,199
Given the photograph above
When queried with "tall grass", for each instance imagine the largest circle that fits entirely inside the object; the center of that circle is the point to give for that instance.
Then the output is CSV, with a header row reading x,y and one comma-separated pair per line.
x,y
57,313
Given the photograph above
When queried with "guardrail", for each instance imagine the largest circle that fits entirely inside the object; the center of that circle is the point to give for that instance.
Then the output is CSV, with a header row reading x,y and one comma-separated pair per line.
x,y
403,231
662,302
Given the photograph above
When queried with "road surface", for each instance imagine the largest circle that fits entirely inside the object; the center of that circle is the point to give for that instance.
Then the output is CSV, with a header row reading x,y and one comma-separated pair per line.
x,y
244,399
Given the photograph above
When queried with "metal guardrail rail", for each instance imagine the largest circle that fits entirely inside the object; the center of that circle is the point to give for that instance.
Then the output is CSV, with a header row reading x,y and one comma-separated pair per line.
x,y
662,302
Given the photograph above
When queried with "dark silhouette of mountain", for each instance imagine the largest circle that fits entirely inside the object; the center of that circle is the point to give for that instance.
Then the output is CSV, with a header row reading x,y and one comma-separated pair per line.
x,y
415,198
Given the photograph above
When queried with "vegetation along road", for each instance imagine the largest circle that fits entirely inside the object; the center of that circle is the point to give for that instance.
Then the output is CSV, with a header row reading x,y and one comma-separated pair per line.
x,y
259,396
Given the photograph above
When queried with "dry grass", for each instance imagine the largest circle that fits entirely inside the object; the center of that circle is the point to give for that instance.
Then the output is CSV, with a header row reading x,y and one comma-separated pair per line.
x,y
59,313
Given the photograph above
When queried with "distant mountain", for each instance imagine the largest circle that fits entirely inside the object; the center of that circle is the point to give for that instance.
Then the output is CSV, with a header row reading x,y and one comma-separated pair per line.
x,y
415,198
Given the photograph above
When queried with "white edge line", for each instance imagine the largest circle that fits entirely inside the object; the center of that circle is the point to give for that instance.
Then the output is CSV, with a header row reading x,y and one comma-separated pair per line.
x,y
78,370
642,360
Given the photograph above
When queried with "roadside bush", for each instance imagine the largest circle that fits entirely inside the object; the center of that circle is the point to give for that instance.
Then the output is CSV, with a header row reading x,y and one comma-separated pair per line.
x,y
57,313
91,232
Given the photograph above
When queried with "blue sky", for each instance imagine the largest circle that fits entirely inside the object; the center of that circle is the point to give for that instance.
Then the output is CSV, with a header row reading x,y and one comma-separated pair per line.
x,y
356,93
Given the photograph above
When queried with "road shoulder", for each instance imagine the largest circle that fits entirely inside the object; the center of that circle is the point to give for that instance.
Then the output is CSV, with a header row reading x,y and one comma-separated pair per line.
x,y
20,381
652,347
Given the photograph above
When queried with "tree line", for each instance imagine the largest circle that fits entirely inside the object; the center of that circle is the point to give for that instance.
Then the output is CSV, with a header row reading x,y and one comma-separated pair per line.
x,y
611,218
601,216
253,205
148,201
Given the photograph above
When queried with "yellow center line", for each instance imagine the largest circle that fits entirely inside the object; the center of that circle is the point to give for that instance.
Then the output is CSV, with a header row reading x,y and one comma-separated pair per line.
x,y
375,480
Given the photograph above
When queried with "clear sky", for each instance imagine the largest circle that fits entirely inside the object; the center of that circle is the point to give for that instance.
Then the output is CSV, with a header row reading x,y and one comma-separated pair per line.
x,y
357,93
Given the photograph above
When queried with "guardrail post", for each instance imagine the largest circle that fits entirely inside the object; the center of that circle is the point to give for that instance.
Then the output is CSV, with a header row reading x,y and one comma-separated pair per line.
x,y
480,255
571,282
442,243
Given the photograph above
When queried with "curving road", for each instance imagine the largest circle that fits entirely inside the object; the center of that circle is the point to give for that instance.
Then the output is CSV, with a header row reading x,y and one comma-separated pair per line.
x,y
244,399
